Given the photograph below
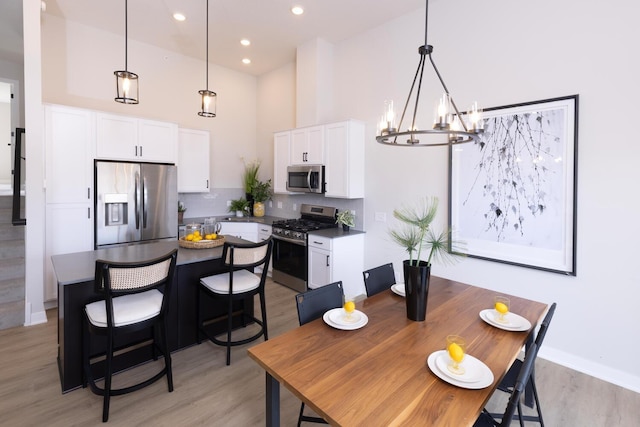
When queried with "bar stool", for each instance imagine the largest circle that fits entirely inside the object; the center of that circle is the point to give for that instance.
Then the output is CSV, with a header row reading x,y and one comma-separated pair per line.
x,y
136,297
238,283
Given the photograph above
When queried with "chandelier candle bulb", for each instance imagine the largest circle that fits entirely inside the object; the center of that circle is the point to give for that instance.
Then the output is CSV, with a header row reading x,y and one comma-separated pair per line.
x,y
475,116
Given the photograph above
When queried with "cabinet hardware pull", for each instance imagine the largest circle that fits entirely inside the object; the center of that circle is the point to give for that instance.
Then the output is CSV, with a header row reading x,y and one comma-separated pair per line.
x,y
207,183
88,192
88,213
327,260
318,243
136,150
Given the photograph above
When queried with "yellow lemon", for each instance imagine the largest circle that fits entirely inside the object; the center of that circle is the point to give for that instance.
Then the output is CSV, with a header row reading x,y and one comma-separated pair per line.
x,y
188,237
214,236
196,233
501,308
349,306
207,236
456,352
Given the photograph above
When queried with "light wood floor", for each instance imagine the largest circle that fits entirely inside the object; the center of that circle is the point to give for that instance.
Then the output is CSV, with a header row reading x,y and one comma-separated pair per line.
x,y
209,393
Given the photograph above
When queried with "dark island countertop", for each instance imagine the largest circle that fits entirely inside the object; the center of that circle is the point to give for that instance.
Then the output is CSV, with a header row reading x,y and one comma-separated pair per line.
x,y
80,266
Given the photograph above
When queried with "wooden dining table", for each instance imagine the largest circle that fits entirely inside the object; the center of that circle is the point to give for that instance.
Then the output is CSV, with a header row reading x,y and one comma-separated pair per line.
x,y
378,375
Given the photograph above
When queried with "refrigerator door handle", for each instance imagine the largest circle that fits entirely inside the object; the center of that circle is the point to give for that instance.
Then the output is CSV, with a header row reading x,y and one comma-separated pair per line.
x,y
145,201
137,201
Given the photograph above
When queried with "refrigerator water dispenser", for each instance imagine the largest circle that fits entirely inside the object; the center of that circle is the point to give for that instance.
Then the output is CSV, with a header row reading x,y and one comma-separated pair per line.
x,y
115,209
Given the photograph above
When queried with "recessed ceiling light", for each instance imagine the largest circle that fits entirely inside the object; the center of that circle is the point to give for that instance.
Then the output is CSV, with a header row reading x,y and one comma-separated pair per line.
x,y
245,42
297,10
179,17
246,61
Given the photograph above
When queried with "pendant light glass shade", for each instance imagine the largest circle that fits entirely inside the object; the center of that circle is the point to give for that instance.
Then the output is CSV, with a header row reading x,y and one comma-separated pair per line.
x,y
209,98
127,87
126,81
449,126
208,108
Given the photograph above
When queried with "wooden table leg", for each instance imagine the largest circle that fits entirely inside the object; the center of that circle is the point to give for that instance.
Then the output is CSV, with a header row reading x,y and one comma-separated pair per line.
x,y
273,402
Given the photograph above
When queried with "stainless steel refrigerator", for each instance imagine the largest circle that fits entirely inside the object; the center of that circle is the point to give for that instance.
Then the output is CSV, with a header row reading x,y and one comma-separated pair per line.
x,y
135,203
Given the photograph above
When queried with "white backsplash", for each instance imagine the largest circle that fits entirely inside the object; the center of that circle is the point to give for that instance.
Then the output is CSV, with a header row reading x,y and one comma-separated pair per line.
x,y
214,203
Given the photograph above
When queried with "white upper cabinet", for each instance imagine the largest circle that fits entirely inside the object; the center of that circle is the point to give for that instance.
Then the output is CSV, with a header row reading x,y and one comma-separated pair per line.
x,y
307,146
281,159
338,146
193,161
129,138
69,147
344,159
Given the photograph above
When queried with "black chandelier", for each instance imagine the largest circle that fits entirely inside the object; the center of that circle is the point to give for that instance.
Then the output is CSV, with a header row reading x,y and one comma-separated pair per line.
x,y
449,128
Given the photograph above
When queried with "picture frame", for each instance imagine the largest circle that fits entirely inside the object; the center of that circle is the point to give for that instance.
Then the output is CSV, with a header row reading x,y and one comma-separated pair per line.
x,y
512,194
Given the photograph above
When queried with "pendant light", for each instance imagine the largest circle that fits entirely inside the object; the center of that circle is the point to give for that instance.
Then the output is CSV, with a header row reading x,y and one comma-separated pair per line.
x,y
126,81
449,127
208,102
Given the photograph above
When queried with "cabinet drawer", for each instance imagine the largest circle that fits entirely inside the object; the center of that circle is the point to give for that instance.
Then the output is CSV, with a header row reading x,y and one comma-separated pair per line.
x,y
320,242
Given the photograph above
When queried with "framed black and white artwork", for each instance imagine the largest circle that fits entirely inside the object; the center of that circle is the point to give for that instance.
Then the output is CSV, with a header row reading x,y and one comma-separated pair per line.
x,y
513,192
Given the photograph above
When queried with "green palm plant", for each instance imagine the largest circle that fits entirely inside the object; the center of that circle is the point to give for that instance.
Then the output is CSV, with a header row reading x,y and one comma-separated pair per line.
x,y
416,233
250,175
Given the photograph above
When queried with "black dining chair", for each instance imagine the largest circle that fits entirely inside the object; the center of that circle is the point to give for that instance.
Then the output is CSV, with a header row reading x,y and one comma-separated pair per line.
x,y
509,380
238,283
312,305
526,370
136,298
379,279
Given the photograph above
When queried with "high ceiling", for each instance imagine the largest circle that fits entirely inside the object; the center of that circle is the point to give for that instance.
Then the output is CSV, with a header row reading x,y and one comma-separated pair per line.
x,y
273,30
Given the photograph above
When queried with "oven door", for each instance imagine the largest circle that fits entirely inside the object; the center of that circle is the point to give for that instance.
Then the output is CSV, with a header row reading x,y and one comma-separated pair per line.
x,y
290,263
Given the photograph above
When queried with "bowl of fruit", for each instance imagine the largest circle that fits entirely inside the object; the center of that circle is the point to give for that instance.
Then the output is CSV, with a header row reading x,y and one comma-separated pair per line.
x,y
196,237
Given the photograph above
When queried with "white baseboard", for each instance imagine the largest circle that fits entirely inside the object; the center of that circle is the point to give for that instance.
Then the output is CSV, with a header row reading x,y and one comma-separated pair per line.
x,y
597,370
31,319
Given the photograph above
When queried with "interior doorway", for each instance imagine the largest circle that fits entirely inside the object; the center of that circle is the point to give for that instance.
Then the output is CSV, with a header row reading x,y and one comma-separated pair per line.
x,y
9,121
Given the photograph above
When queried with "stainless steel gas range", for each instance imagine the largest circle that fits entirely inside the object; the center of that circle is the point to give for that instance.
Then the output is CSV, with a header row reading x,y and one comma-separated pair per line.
x,y
290,260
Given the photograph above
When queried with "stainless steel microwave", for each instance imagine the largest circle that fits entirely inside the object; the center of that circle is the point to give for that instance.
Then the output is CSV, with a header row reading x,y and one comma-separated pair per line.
x,y
305,179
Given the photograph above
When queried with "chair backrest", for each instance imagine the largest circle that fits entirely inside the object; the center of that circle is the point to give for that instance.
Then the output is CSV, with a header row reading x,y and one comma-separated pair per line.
x,y
114,278
315,302
247,255
521,382
379,279
544,326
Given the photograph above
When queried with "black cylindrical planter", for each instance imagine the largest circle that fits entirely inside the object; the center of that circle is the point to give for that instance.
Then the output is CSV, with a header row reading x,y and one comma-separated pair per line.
x,y
416,284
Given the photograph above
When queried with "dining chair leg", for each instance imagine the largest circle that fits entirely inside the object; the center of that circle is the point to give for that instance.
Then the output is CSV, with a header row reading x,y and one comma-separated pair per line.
x,y
167,355
229,326
263,308
535,395
301,412
107,378
198,322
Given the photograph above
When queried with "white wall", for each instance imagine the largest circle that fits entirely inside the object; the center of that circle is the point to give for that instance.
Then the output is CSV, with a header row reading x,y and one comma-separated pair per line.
x,y
501,52
79,62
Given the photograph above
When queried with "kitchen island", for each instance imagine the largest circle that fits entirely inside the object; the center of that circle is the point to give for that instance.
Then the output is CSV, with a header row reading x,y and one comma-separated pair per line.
x,y
75,276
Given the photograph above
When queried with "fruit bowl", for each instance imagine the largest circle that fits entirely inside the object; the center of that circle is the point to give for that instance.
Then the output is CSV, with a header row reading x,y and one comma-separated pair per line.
x,y
201,244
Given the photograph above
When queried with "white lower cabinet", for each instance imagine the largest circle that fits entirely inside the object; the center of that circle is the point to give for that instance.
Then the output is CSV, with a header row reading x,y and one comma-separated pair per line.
x,y
242,230
264,232
335,259
69,228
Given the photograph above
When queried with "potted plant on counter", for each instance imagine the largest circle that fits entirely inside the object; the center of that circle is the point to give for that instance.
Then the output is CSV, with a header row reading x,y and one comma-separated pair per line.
x,y
346,219
250,179
239,206
414,235
261,193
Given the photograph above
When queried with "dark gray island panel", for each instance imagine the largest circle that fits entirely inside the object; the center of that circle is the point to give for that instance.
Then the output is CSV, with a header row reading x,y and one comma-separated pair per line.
x,y
75,275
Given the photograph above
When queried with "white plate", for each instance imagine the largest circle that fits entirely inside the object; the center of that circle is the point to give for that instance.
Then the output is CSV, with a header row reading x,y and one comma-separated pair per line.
x,y
398,289
486,376
473,368
348,326
340,317
514,322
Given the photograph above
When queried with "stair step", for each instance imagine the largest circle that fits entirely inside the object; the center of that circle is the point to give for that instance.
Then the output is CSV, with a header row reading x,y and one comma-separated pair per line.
x,y
11,232
12,249
11,268
11,314
12,290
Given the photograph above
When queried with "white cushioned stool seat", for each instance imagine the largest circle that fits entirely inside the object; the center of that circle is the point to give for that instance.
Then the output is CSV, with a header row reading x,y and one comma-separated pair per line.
x,y
127,309
243,281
